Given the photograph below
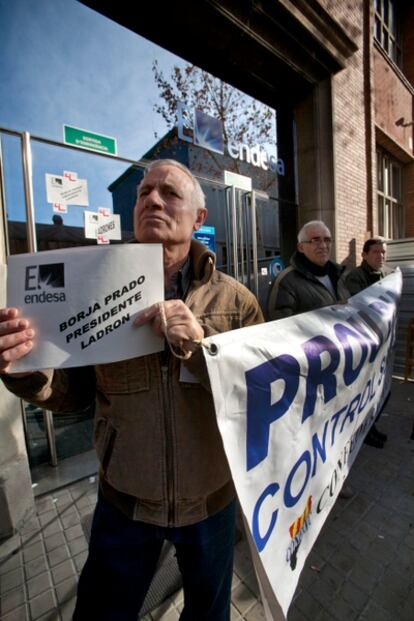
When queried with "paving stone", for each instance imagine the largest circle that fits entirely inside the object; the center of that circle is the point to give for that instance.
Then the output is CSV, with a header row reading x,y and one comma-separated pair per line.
x,y
11,580
38,585
9,546
242,597
41,604
353,595
373,612
68,520
256,613
322,591
73,532
48,517
52,528
294,614
367,573
31,552
66,590
307,605
67,608
171,615
344,560
30,525
10,562
327,615
340,609
77,545
405,561
234,614
83,502
58,555
35,567
32,537
63,571
251,581
242,559
332,577
12,600
54,541
80,560
51,615
20,614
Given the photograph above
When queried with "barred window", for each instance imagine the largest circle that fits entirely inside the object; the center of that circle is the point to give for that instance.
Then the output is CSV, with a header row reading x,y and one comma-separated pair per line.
x,y
389,188
386,29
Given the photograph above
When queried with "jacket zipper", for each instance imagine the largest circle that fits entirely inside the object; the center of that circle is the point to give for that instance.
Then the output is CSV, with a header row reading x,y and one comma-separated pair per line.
x,y
168,445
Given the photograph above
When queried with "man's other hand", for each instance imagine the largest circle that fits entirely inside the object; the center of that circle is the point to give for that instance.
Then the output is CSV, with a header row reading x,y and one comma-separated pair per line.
x,y
16,338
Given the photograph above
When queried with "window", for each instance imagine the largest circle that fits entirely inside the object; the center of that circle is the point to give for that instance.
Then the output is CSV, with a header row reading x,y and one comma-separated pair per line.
x,y
389,187
386,30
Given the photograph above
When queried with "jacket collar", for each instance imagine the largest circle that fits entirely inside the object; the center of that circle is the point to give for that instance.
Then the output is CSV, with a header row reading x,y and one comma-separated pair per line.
x,y
203,261
332,268
366,266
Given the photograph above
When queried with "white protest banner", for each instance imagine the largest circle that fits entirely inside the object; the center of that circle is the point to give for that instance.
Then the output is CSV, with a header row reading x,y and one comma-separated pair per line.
x,y
82,301
294,399
66,190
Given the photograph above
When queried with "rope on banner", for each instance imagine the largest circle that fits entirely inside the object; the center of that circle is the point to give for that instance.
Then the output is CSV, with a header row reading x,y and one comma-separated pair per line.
x,y
178,350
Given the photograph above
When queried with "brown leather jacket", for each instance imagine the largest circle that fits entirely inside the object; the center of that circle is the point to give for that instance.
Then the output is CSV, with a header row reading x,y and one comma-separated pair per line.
x,y
161,454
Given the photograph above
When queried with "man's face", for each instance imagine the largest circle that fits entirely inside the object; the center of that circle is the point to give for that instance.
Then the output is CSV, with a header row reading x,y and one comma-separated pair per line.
x,y
317,245
164,211
375,257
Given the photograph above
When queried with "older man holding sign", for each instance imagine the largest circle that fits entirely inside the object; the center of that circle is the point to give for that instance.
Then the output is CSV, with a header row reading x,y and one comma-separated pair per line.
x,y
164,474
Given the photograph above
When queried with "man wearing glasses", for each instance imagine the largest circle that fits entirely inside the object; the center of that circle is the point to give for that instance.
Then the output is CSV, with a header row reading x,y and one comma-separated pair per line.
x,y
312,280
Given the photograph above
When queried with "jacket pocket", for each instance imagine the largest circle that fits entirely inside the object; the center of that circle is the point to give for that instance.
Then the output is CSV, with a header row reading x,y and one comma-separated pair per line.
x,y
125,377
221,320
104,440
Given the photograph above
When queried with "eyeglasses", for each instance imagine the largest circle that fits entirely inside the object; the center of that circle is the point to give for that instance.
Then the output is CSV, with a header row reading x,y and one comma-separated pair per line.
x,y
317,241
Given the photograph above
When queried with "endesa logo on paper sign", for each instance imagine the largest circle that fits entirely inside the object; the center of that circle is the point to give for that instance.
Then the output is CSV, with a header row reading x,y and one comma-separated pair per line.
x,y
44,283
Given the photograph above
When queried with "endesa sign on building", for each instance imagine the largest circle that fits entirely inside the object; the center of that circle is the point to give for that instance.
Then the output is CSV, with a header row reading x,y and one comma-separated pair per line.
x,y
207,132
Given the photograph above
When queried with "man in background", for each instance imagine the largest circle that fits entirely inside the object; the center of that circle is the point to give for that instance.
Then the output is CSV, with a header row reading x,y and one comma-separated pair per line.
x,y
371,270
312,280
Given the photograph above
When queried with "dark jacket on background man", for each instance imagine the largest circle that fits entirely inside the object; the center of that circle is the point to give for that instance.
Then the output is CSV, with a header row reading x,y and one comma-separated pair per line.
x,y
363,276
161,455
298,290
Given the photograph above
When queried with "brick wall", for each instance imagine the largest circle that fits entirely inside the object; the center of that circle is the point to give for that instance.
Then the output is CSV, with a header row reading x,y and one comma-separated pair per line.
x,y
369,93
393,101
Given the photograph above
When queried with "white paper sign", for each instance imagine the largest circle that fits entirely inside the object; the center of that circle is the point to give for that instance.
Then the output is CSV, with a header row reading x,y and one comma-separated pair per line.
x,y
294,400
82,301
66,190
99,224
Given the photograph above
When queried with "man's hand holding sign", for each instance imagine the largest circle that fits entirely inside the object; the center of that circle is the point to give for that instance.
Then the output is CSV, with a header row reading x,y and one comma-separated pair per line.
x,y
16,337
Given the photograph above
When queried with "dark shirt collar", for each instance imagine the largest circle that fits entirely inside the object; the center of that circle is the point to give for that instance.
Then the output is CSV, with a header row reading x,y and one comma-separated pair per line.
x,y
316,270
366,266
180,282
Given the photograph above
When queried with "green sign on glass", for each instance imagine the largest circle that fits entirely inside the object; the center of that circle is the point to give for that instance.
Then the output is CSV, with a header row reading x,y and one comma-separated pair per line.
x,y
88,140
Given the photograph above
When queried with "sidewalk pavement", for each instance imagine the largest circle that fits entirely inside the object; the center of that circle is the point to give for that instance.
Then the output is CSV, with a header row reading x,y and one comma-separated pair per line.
x,y
361,567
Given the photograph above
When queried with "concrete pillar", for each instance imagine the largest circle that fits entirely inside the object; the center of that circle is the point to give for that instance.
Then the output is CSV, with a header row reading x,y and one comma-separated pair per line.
x,y
316,195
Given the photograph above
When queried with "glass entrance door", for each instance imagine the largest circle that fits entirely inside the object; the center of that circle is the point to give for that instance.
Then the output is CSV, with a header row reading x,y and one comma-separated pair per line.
x,y
247,234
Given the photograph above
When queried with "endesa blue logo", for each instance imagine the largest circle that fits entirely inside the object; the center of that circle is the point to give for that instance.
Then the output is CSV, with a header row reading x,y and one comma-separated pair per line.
x,y
207,132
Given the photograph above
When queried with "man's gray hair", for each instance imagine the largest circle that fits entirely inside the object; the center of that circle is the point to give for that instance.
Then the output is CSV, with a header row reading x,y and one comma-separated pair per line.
x,y
302,232
199,198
